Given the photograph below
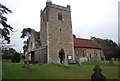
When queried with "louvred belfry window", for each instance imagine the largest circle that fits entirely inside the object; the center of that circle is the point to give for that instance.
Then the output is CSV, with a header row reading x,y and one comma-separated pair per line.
x,y
59,16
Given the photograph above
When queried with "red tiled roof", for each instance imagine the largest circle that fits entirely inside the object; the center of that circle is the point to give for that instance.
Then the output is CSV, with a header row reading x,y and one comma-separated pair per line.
x,y
87,43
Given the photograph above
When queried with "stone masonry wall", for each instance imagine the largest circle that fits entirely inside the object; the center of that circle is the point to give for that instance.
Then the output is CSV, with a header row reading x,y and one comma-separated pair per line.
x,y
59,40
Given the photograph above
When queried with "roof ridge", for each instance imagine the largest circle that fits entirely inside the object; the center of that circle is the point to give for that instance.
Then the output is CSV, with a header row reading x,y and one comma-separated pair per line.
x,y
83,39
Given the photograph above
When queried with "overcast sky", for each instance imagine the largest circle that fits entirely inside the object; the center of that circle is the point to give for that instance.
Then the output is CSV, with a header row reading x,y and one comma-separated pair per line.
x,y
97,18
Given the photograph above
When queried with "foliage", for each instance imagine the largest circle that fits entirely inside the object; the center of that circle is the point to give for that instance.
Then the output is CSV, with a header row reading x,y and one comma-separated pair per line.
x,y
25,47
25,32
8,53
5,31
109,47
16,57
74,36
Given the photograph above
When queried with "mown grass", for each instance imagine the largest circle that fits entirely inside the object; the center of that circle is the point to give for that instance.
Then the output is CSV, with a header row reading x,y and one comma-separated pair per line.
x,y
0,69
54,71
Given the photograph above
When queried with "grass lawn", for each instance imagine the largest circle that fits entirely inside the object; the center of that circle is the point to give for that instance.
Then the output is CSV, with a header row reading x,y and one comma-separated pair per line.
x,y
54,71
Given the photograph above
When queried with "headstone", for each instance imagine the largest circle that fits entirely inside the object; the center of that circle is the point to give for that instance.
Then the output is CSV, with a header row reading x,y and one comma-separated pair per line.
x,y
88,58
58,61
82,59
116,59
97,75
98,58
111,61
30,67
65,63
79,62
25,63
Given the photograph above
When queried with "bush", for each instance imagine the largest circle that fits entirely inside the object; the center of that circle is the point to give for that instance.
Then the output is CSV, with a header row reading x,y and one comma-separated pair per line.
x,y
16,57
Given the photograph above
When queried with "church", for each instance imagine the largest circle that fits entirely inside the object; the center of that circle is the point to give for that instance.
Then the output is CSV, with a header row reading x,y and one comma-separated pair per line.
x,y
55,41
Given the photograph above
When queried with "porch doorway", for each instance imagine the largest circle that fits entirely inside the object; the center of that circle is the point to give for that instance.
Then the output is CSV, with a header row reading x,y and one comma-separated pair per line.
x,y
32,56
61,55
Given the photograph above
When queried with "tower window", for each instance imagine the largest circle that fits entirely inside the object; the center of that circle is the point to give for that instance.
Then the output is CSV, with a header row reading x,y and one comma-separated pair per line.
x,y
43,18
84,53
59,16
60,31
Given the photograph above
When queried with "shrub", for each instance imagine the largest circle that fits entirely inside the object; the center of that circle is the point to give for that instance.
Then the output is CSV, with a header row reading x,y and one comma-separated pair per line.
x,y
16,57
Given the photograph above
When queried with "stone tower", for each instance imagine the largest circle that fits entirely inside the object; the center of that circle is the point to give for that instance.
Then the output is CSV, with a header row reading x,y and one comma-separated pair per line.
x,y
56,33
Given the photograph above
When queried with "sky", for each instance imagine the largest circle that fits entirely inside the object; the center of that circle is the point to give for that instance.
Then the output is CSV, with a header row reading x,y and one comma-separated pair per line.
x,y
97,18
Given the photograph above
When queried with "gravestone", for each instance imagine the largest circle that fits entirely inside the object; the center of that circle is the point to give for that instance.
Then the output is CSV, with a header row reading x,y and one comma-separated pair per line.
x,y
116,59
83,59
30,67
58,61
111,61
65,62
97,75
79,62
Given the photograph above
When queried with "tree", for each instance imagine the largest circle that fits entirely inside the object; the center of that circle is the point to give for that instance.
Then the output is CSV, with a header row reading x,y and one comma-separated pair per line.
x,y
5,31
16,57
25,47
109,47
26,32
8,53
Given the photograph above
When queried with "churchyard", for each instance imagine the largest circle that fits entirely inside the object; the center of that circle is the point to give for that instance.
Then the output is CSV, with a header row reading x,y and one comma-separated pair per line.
x,y
58,71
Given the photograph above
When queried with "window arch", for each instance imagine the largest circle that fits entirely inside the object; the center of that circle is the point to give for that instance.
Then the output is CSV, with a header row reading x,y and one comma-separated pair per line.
x,y
84,52
43,19
59,16
95,53
60,31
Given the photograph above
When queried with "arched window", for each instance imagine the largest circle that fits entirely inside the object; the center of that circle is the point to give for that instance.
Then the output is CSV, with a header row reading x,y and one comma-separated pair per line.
x,y
84,53
95,53
60,31
90,55
31,46
59,16
43,18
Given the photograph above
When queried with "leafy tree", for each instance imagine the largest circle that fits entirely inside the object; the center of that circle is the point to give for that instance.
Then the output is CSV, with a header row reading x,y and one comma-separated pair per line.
x,y
8,53
11,50
16,57
109,47
25,47
26,32
5,31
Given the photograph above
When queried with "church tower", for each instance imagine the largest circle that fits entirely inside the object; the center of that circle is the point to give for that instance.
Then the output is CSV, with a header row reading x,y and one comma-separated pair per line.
x,y
56,33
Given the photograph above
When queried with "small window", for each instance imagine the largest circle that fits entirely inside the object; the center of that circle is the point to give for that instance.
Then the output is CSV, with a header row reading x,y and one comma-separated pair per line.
x,y
95,53
90,55
43,18
76,51
60,31
59,16
84,53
